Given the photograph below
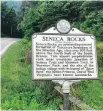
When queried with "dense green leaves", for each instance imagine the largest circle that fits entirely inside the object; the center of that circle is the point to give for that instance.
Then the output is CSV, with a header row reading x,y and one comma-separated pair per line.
x,y
8,18
19,92
93,24
41,15
36,16
32,19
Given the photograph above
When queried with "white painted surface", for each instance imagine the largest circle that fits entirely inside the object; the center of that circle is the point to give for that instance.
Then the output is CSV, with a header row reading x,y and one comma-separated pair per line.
x,y
52,32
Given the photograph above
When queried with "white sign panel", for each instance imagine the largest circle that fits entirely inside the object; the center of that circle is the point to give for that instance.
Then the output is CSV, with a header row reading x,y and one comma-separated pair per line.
x,y
64,56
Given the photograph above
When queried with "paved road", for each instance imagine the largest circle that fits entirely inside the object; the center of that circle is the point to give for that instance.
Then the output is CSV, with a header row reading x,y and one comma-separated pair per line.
x,y
5,43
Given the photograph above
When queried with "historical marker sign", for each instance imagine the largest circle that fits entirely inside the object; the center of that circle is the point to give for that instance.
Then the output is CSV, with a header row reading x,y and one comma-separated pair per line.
x,y
64,56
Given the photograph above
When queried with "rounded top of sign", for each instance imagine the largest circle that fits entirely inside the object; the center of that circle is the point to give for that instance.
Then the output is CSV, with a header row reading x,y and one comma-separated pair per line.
x,y
63,26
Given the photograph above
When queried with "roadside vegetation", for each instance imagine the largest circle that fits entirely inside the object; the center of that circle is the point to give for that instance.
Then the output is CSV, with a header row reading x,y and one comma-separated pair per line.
x,y
18,90
91,91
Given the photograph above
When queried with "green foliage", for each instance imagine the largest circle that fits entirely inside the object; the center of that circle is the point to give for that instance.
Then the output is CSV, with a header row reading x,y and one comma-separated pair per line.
x,y
93,24
8,18
90,6
44,14
56,10
31,19
19,92
100,54
87,15
35,16
91,91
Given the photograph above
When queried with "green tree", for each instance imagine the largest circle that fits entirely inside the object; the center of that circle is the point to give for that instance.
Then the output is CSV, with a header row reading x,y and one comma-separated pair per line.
x,y
93,24
56,10
27,4
90,6
8,19
43,14
32,19
39,16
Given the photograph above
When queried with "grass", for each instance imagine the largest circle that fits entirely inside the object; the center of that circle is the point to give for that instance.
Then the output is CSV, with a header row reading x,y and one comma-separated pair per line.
x,y
19,92
91,91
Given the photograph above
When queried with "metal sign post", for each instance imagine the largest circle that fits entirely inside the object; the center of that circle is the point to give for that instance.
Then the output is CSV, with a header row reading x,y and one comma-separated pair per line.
x,y
66,91
66,102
